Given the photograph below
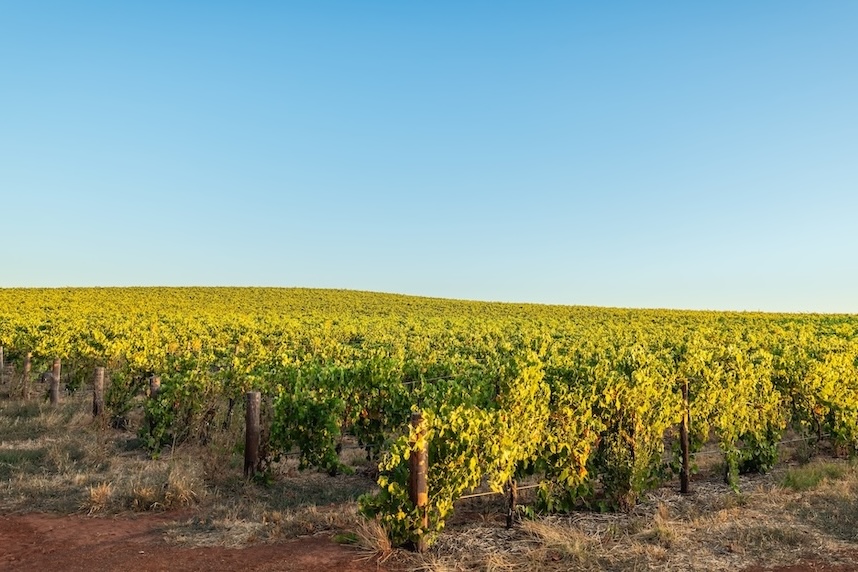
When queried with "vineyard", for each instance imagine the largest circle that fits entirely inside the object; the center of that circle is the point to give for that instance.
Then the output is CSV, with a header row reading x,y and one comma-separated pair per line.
x,y
586,405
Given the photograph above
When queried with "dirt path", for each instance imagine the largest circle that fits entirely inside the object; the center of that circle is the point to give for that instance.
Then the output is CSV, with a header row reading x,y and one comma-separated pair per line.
x,y
42,542
77,543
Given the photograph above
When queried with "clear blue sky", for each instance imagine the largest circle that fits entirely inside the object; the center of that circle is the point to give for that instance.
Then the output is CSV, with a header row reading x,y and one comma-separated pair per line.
x,y
637,154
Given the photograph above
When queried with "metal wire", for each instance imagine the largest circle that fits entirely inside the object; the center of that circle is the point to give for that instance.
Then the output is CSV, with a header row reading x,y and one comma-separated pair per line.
x,y
489,493
699,453
720,452
475,495
526,487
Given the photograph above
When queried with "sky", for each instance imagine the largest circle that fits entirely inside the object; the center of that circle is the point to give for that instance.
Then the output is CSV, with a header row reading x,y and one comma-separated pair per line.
x,y
695,155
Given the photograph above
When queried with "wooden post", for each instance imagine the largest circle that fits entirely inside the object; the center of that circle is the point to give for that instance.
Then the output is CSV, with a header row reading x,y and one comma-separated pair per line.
x,y
28,365
154,386
228,419
55,389
251,433
2,367
683,441
98,393
418,489
512,499
55,382
154,390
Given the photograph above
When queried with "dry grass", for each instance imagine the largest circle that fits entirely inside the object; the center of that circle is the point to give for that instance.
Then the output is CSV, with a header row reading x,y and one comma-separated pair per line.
x,y
372,538
99,498
555,542
59,460
713,529
809,476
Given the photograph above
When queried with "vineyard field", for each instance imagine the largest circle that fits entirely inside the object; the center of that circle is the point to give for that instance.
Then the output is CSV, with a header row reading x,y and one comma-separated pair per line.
x,y
585,402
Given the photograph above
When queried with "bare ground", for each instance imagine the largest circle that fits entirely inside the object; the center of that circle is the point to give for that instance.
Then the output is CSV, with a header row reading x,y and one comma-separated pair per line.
x,y
79,543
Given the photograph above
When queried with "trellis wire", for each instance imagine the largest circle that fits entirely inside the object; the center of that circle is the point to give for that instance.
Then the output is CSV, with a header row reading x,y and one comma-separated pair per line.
x,y
710,452
720,452
489,493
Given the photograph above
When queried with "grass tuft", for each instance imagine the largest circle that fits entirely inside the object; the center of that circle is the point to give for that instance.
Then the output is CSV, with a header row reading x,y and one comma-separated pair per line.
x,y
372,538
811,475
99,498
555,542
662,531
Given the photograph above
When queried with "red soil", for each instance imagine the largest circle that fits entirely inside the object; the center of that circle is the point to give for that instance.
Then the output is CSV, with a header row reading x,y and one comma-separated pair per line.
x,y
76,543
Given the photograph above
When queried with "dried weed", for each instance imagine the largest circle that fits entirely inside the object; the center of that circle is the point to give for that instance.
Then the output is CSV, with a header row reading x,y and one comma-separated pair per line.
x,y
99,498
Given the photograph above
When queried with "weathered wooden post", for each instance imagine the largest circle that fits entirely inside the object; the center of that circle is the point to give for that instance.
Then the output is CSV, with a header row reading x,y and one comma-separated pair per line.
x,y
512,500
154,390
154,386
418,489
2,366
25,385
98,393
251,433
683,442
55,382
